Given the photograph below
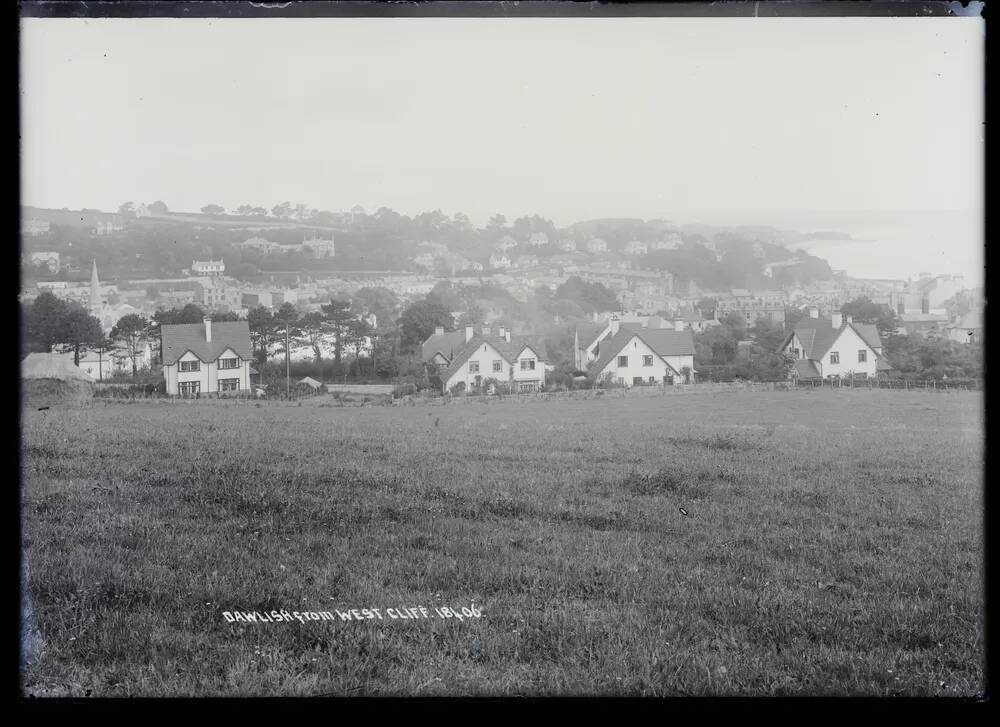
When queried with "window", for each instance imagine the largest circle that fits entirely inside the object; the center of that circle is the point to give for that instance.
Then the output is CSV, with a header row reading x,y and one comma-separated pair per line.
x,y
228,363
623,362
795,353
497,366
862,356
190,365
636,381
652,379
473,367
189,388
647,360
835,357
229,384
526,386
527,364
619,380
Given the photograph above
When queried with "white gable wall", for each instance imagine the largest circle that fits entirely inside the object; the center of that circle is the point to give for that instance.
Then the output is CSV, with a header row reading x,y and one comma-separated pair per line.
x,y
848,344
484,355
635,349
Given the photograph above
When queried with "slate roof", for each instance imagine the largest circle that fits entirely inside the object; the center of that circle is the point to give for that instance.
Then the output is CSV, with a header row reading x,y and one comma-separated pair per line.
x,y
818,335
664,341
587,333
447,344
803,368
180,338
508,351
971,320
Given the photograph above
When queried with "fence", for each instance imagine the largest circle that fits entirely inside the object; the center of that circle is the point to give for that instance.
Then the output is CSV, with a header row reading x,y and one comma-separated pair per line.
x,y
896,384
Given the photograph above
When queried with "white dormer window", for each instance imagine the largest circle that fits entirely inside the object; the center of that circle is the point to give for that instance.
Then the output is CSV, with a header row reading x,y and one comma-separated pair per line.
x,y
228,363
527,364
190,365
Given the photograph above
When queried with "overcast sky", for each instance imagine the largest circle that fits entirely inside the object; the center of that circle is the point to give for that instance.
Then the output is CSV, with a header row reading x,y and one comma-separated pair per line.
x,y
570,118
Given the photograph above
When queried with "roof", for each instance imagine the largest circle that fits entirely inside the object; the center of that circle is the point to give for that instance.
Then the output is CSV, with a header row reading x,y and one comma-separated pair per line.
x,y
869,333
309,381
817,335
183,337
447,343
587,333
507,350
52,366
971,320
803,368
663,341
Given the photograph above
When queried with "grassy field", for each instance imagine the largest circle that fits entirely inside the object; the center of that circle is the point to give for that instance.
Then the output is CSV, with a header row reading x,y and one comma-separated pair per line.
x,y
832,545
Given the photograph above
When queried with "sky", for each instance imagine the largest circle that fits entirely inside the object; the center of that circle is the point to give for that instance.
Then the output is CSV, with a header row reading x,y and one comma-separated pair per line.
x,y
568,118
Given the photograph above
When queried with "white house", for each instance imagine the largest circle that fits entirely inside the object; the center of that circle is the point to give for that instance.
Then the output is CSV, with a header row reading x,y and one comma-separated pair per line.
x,y
206,358
467,359
638,356
836,346
208,267
538,239
967,328
102,364
50,259
636,248
499,261
596,244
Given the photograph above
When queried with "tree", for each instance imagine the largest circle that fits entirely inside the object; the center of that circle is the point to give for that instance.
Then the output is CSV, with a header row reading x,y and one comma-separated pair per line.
x,y
244,210
190,313
310,331
44,320
212,209
263,332
282,211
126,209
497,222
382,302
863,310
79,330
341,323
418,321
158,208
591,297
133,331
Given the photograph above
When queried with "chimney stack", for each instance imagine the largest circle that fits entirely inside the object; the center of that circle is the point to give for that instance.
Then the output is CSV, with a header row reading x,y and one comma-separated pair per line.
x,y
438,330
813,312
506,336
208,329
614,324
468,333
850,318
837,319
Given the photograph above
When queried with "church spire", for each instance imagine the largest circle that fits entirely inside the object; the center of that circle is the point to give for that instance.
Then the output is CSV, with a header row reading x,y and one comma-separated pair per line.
x,y
95,289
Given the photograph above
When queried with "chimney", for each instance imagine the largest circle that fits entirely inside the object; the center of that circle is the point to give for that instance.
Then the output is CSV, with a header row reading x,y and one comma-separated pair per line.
x,y
208,329
678,325
506,336
837,319
468,333
813,312
486,330
850,318
614,324
438,330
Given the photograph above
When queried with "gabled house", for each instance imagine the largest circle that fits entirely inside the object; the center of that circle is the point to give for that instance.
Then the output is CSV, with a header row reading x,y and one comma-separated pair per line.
x,y
635,355
588,336
468,358
967,328
206,358
837,346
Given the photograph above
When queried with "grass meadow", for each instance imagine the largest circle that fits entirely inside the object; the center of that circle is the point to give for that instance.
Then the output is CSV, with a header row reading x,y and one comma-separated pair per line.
x,y
832,546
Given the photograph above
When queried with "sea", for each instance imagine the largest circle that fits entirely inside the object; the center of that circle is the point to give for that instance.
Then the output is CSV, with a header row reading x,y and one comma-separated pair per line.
x,y
891,245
